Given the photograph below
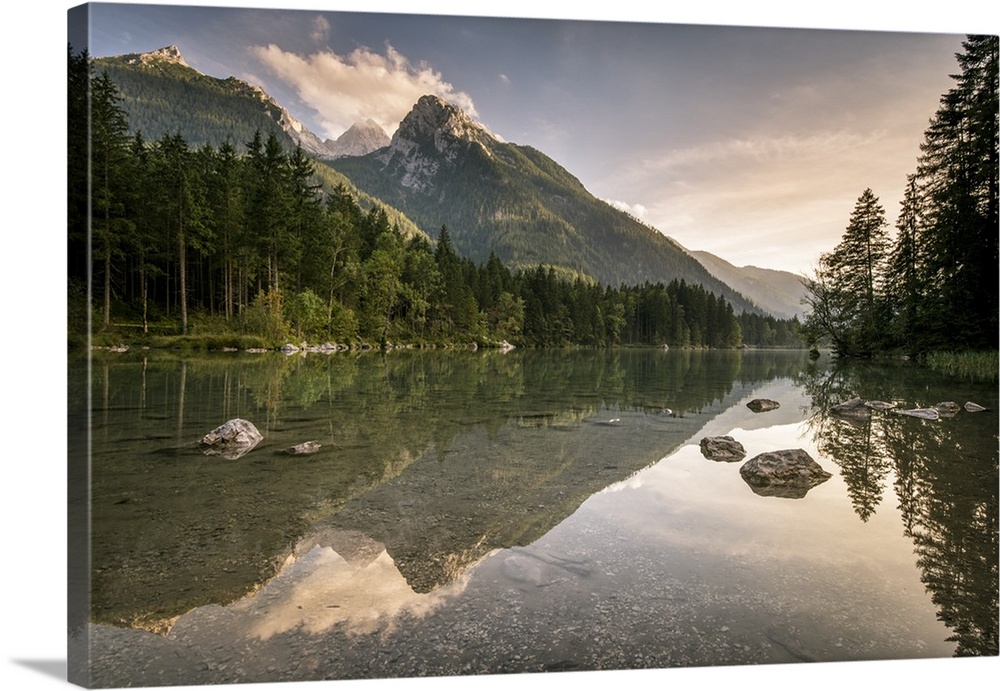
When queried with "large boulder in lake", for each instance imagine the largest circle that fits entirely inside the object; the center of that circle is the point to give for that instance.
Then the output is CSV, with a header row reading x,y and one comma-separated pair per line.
x,y
763,405
788,473
231,439
722,449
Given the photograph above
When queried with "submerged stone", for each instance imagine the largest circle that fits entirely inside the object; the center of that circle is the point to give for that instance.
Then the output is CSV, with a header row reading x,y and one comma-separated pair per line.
x,y
853,408
762,405
923,413
789,473
231,439
974,407
948,408
304,448
722,449
880,405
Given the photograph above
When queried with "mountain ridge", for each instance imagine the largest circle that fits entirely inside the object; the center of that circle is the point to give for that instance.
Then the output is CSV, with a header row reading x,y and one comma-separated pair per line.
x,y
444,169
781,293
440,168
151,111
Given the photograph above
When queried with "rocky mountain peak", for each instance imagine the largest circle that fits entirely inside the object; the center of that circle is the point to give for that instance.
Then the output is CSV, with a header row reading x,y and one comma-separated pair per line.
x,y
360,138
434,133
433,116
171,54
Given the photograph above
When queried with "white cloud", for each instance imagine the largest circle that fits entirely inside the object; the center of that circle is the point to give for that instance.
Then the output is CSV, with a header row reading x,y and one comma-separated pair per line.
x,y
362,84
775,201
635,210
504,79
321,28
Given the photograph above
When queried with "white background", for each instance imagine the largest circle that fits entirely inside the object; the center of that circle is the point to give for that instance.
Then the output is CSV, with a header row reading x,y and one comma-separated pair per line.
x,y
33,628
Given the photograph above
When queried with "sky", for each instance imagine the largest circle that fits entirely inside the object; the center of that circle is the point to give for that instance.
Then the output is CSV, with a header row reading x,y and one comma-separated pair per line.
x,y
752,143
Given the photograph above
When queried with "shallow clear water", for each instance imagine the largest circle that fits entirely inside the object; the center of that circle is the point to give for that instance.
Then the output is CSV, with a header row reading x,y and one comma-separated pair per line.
x,y
481,512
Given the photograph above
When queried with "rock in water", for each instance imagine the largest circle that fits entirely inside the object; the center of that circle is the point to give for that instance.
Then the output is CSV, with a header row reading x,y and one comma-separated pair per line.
x,y
880,405
854,408
974,407
303,448
722,449
948,408
762,405
924,413
231,439
789,473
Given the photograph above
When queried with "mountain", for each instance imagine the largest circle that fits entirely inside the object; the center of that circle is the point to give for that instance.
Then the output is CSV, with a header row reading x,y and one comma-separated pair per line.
x,y
439,168
162,94
778,292
360,139
442,168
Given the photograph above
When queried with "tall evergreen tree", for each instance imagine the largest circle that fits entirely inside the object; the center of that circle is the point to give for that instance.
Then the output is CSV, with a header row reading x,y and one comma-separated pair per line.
x,y
958,166
904,270
847,293
181,205
109,148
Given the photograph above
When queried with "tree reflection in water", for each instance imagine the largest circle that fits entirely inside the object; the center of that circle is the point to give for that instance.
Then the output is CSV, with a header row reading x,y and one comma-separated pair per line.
x,y
944,475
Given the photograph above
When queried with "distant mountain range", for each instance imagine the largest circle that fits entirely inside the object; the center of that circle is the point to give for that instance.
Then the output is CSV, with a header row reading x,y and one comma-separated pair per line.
x,y
441,168
779,292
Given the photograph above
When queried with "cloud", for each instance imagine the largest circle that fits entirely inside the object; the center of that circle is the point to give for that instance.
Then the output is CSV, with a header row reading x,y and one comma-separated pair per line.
x,y
634,210
321,28
772,200
504,79
345,89
766,149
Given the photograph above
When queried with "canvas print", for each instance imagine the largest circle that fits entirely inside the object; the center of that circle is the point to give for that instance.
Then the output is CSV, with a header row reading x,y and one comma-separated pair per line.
x,y
412,346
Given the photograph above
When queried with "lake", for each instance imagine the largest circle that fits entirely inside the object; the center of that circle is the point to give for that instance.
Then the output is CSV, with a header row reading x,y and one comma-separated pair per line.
x,y
481,512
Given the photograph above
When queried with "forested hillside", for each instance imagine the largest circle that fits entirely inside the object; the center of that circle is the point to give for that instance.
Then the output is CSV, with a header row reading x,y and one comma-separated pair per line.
x,y
157,91
517,203
252,249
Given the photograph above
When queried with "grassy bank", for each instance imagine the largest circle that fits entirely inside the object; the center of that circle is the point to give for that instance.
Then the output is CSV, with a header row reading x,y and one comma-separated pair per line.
x,y
973,365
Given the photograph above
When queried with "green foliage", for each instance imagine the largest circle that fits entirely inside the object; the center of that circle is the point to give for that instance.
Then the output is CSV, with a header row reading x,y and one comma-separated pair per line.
x,y
934,286
266,317
969,365
847,294
521,206
201,245
307,314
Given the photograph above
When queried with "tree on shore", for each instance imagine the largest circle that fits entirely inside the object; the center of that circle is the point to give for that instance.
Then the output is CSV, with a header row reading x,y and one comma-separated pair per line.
x,y
847,294
934,285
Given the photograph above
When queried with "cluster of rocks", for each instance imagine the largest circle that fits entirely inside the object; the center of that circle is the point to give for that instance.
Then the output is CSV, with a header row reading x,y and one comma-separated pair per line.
x,y
859,409
327,348
788,473
238,437
791,473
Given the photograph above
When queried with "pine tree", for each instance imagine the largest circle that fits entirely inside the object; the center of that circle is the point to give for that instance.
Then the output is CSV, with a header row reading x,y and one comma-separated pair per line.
x,y
109,150
905,268
847,293
958,167
181,207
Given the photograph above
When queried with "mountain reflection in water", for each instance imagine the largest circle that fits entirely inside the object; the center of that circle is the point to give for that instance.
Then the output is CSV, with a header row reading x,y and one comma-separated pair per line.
x,y
478,512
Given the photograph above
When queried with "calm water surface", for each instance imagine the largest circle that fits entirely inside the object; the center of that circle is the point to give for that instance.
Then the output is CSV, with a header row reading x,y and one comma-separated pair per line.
x,y
535,511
